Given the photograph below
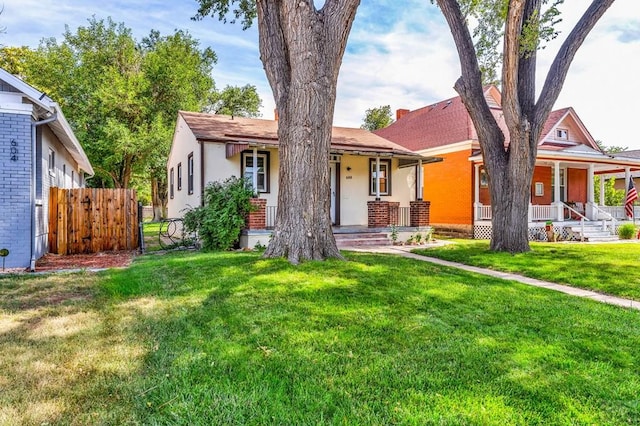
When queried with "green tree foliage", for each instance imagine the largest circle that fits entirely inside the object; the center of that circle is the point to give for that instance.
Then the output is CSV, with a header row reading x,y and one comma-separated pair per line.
x,y
377,118
122,97
221,219
237,101
488,34
612,196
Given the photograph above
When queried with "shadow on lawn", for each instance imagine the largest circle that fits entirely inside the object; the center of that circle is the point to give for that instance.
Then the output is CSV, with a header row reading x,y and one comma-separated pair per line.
x,y
383,339
229,338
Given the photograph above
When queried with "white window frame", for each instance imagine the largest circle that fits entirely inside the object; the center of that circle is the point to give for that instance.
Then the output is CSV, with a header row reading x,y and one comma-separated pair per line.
x,y
562,134
247,173
385,170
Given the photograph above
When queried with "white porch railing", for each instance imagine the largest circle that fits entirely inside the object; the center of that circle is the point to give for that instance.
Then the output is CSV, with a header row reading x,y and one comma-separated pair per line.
x,y
483,212
542,212
538,212
270,218
617,212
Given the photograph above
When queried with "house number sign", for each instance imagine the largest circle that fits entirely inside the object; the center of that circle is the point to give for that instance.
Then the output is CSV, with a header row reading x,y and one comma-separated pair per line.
x,y
14,150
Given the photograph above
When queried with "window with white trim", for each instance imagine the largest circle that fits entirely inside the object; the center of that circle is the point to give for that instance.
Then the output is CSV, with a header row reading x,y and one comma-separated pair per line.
x,y
190,173
261,169
171,183
562,134
385,177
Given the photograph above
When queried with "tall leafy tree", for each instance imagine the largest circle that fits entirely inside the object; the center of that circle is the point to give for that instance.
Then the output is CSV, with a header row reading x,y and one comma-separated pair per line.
x,y
237,101
301,48
178,75
122,97
522,26
377,118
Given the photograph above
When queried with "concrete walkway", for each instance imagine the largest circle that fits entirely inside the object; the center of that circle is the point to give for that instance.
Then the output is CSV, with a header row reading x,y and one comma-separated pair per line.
x,y
406,252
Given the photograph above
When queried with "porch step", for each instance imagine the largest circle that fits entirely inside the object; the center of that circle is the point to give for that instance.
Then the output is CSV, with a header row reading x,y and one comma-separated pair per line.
x,y
362,239
594,234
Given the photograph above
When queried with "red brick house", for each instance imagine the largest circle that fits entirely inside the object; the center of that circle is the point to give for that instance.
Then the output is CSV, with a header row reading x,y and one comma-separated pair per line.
x,y
563,182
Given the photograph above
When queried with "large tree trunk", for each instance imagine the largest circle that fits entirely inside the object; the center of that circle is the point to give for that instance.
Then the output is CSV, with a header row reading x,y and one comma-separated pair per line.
x,y
301,49
510,168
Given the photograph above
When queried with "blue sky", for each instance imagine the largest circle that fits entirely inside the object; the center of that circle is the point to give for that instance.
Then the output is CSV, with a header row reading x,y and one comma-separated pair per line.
x,y
398,55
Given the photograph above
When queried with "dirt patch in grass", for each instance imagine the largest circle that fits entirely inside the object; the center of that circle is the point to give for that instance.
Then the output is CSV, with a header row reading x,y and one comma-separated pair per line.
x,y
114,259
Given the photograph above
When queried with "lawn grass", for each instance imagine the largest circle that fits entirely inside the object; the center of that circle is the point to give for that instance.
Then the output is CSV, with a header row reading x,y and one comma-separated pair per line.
x,y
609,268
230,338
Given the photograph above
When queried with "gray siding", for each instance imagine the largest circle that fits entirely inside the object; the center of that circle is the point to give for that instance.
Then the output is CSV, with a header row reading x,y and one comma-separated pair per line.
x,y
15,183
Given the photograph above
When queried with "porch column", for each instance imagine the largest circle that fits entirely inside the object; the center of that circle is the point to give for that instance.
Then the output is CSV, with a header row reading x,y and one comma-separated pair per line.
x,y
377,177
476,191
254,180
602,179
589,210
556,190
420,178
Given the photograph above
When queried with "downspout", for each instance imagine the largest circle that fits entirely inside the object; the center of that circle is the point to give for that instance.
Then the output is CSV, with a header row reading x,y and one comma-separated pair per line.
x,y
34,124
201,173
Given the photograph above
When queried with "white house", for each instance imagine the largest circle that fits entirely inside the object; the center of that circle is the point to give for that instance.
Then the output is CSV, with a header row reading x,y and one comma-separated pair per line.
x,y
367,171
38,151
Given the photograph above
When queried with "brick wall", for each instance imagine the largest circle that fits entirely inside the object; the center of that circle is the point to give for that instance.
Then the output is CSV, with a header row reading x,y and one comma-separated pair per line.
x,y
15,184
258,219
419,213
378,214
449,187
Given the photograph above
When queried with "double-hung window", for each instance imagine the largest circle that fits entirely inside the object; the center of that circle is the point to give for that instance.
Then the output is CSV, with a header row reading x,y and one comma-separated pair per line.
x,y
385,177
171,183
190,173
260,168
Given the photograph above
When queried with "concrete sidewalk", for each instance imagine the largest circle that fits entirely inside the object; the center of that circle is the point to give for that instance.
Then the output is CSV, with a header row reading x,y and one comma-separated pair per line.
x,y
406,252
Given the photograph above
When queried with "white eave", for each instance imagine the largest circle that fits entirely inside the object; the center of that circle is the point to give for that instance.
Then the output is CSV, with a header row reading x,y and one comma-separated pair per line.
x,y
44,108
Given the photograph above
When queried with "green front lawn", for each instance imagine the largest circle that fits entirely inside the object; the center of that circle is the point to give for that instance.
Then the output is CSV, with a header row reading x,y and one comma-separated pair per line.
x,y
229,338
612,268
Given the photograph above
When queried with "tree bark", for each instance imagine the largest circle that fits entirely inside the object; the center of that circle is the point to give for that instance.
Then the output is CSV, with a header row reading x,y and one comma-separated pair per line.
x,y
158,198
301,49
510,168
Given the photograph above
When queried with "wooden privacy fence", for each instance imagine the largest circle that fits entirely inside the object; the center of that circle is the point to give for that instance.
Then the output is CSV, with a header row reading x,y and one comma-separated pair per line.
x,y
90,220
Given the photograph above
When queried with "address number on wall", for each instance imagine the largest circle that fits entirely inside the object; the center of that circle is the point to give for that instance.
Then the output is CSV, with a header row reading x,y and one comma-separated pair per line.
x,y
14,150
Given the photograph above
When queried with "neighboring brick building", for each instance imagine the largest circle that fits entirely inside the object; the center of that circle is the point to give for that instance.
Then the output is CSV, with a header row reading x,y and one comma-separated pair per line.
x,y
458,187
37,150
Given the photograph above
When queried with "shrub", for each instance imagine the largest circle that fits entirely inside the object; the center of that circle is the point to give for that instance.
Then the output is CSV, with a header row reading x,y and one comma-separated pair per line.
x,y
627,231
219,222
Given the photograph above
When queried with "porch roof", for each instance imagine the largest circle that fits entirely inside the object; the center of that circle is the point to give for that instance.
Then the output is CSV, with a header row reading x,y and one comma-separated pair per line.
x,y
241,133
604,163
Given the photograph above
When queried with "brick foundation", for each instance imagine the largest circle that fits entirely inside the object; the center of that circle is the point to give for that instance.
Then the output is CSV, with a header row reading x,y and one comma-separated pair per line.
x,y
257,219
419,214
378,214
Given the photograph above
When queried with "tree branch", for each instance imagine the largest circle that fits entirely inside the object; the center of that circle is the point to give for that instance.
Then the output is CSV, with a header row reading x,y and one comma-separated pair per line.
x,y
469,85
510,63
274,53
562,62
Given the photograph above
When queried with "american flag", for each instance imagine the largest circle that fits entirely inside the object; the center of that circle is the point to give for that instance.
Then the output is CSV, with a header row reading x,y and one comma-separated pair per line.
x,y
632,195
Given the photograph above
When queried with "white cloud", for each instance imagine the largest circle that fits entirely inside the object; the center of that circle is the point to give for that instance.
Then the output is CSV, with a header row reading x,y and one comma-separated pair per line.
x,y
401,55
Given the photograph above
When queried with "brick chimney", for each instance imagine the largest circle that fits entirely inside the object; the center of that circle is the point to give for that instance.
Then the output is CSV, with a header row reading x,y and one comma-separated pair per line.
x,y
401,113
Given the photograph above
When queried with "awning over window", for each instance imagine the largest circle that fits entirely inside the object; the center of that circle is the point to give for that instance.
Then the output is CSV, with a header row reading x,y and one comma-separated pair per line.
x,y
235,148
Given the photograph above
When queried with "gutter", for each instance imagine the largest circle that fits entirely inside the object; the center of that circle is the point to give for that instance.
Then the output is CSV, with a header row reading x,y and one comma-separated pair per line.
x,y
34,124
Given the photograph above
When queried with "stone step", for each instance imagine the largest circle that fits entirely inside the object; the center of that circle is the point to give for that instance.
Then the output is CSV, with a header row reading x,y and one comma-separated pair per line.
x,y
360,236
362,239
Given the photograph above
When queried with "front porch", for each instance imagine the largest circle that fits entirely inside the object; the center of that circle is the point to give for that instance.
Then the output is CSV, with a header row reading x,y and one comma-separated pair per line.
x,y
562,192
384,218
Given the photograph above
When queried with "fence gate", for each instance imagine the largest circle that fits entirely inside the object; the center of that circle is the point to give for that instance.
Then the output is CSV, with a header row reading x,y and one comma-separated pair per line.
x,y
90,220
